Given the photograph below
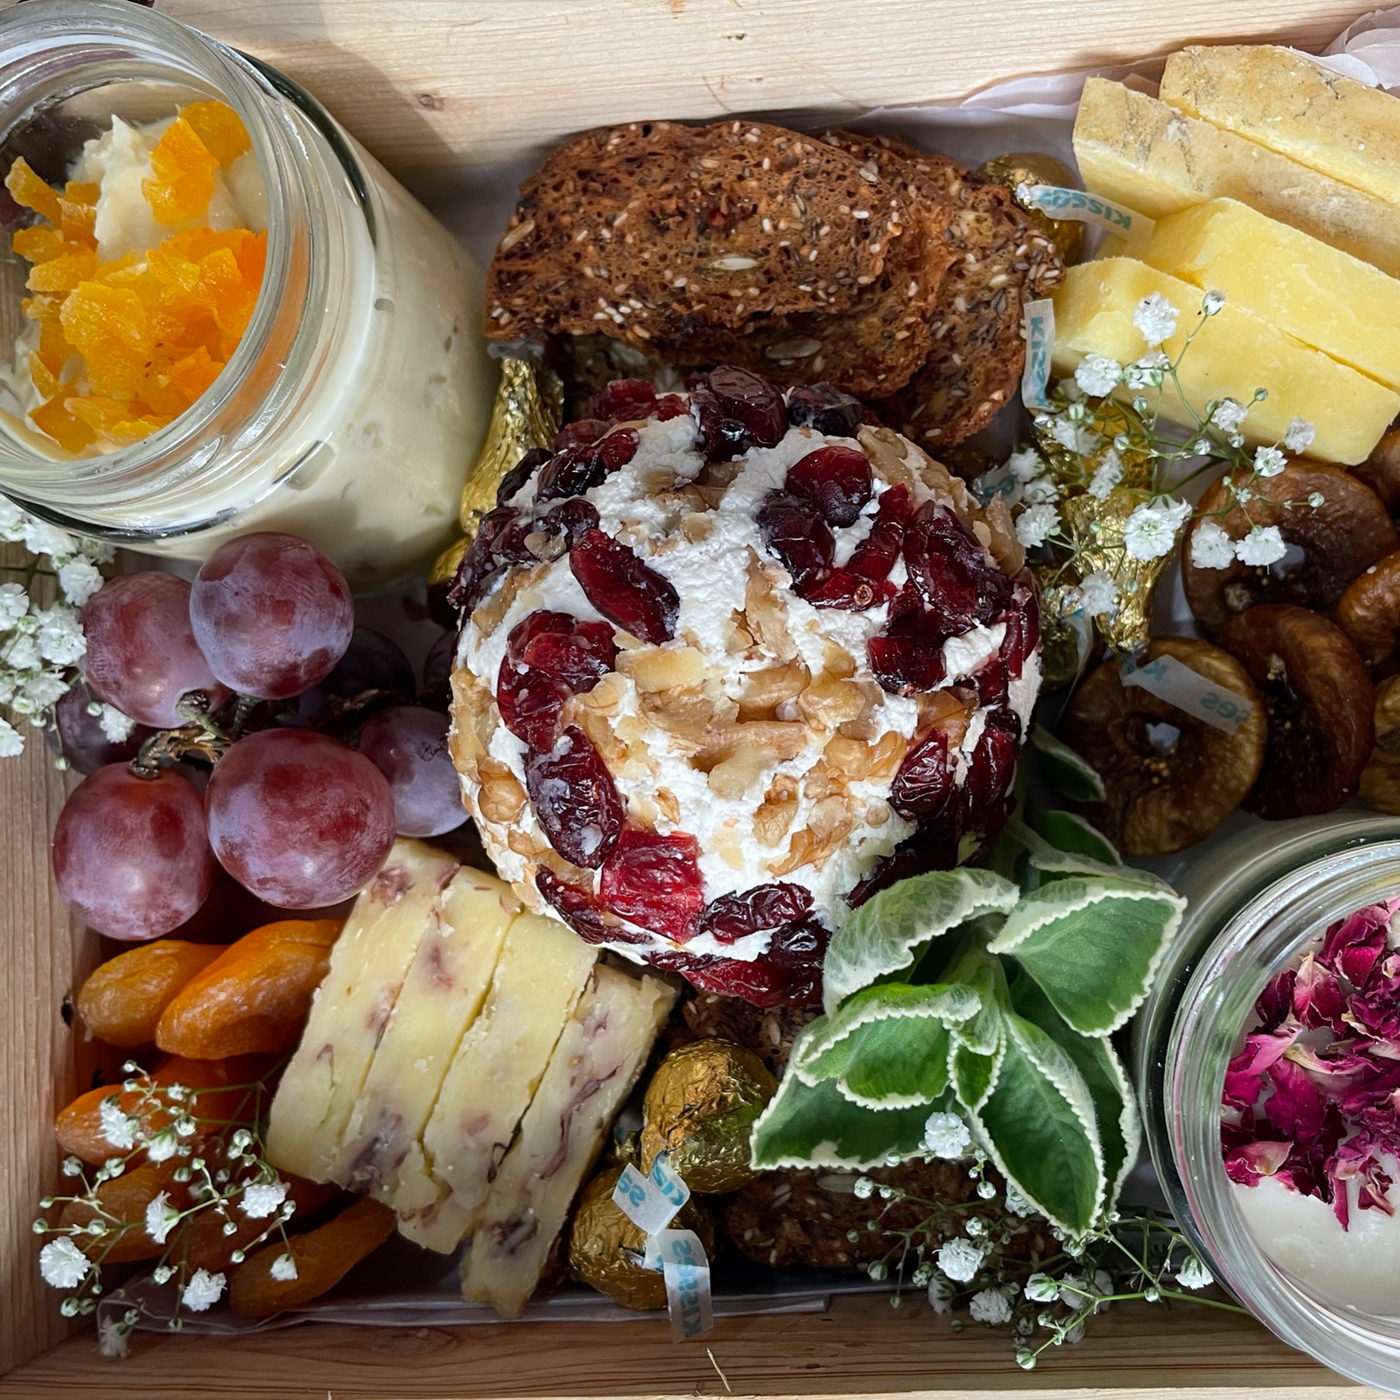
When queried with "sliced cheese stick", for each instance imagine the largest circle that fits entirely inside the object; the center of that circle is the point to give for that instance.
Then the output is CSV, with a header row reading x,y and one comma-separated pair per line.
x,y
594,1066
380,1151
352,1008
542,970
1140,152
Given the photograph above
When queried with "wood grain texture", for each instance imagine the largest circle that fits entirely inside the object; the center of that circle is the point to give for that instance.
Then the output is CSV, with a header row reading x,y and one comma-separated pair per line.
x,y
862,1348
429,85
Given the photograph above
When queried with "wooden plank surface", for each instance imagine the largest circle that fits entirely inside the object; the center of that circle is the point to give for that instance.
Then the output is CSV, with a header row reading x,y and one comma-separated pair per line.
x,y
431,85
862,1348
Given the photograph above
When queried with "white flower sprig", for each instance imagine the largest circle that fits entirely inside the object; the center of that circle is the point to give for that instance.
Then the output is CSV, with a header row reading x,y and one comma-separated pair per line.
x,y
232,1179
39,646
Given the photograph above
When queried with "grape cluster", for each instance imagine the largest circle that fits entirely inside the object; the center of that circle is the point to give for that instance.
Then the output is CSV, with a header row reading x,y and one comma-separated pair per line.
x,y
259,658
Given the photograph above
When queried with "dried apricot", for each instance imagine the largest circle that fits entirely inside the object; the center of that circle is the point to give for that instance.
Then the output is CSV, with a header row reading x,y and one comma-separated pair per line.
x,y
219,130
122,1001
121,1209
183,171
1380,779
255,996
205,1244
322,1257
1369,613
222,1096
1381,470
1338,539
1170,777
1320,707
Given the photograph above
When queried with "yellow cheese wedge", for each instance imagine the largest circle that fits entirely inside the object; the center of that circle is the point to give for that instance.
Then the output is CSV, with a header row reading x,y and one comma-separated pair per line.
x,y
1327,299
1138,151
594,1066
542,970
1234,354
1283,100
379,1153
352,1008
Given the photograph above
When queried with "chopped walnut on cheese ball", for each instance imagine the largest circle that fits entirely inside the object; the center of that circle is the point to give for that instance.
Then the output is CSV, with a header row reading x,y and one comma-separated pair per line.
x,y
729,664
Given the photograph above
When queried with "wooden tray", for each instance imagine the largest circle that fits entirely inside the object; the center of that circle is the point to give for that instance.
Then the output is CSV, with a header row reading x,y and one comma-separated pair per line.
x,y
428,86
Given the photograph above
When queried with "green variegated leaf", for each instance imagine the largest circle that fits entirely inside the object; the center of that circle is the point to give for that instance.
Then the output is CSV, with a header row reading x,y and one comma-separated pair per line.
x,y
1039,1126
943,1002
982,973
1053,863
808,1125
972,1075
893,1064
889,932
1115,1105
1068,831
1093,944
1064,769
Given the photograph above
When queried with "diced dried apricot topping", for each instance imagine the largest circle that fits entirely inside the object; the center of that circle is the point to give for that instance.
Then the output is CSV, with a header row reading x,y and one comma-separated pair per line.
x,y
121,1209
122,1001
322,1256
150,331
206,1246
255,997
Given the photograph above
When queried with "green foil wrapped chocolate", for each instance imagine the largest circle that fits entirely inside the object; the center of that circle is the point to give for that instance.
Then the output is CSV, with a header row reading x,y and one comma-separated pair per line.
x,y
700,1107
606,1248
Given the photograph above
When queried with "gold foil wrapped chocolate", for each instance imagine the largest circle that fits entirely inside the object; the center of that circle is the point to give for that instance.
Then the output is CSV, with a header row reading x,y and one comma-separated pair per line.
x,y
1032,168
528,413
700,1107
606,1249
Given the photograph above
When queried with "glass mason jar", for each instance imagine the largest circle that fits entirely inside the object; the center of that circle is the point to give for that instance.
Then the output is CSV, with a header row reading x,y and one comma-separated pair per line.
x,y
357,398
1256,902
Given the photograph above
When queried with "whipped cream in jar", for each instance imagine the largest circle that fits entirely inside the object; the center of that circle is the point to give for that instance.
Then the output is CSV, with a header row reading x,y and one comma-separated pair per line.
x,y
352,401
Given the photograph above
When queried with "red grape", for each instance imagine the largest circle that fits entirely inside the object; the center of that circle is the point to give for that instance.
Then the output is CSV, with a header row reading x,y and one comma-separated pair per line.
x,y
272,614
141,653
372,662
299,819
408,744
130,854
78,735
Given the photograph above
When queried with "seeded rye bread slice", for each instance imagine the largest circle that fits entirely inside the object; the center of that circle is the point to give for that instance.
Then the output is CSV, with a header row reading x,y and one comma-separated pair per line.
x,y
872,349
652,230
1001,259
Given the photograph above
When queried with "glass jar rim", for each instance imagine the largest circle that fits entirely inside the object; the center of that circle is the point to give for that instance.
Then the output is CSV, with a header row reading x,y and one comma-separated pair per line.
x,y
1254,942
49,53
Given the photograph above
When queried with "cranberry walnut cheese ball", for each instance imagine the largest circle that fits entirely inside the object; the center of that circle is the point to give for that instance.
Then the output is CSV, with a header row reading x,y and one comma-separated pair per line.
x,y
732,665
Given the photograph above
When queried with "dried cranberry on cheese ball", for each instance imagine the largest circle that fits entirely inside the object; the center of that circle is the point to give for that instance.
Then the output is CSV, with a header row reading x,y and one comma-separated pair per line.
x,y
723,673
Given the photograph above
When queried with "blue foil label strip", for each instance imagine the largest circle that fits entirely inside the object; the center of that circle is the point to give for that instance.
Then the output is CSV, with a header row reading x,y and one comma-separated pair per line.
x,y
1176,683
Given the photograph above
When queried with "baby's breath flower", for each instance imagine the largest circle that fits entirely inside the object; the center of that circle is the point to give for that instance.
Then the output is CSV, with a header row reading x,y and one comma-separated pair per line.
x,y
1193,1274
1098,375
1156,318
113,1337
163,1273
261,1199
43,690
863,1189
161,1218
202,1291
1228,415
1299,436
877,1270
1269,461
941,1292
116,1126
79,579
1106,475
1212,303
1036,524
960,1259
1211,546
1041,491
976,1226
1016,1203
72,1166
1025,464
1041,1288
42,538
62,1263
14,604
1263,545
947,1136
990,1306
11,740
162,1146
21,653
1073,1292
1151,528
1074,437
1316,500
12,520
1147,371
986,1190
1098,595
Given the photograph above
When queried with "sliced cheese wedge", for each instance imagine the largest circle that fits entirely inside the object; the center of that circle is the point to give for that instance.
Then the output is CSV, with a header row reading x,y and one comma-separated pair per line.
x,y
1138,151
1234,354
352,1008
542,971
594,1066
1281,99
1327,299
380,1151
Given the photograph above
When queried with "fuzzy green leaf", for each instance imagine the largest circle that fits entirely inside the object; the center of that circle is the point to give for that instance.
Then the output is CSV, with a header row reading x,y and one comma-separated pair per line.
x,y
812,1053
1039,1126
808,1125
1064,769
972,1074
1068,831
894,1064
1093,944
983,974
1053,863
889,932
1115,1105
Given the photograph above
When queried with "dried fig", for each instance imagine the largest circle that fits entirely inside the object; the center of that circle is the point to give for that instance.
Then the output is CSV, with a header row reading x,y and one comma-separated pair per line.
x,y
322,1257
1381,470
1319,702
1164,792
1380,779
1369,614
1344,535
255,996
122,1001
